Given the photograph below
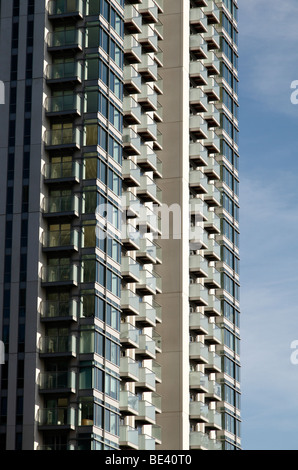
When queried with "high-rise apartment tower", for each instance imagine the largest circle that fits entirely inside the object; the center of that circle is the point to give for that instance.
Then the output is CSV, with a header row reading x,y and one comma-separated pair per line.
x,y
121,331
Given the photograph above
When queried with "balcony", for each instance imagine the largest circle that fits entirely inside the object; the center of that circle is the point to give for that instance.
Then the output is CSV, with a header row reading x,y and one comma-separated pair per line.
x,y
57,382
214,335
199,323
146,380
201,441
199,352
198,182
56,418
58,9
55,206
129,369
131,142
213,250
131,173
214,363
148,98
131,110
212,38
157,433
212,63
198,46
213,196
59,310
147,129
214,307
57,346
198,127
130,302
198,74
197,154
132,49
129,403
132,19
147,253
146,413
198,381
132,206
213,280
65,105
68,138
62,172
212,225
198,265
198,20
129,336
64,72
60,240
198,294
147,283
212,12
132,79
198,238
212,170
130,237
198,100
146,348
149,222
214,421
148,39
212,116
149,11
59,276
146,442
156,368
148,68
212,90
158,341
214,391
129,437
130,270
148,191
147,315
156,402
198,208
198,411
148,160
67,39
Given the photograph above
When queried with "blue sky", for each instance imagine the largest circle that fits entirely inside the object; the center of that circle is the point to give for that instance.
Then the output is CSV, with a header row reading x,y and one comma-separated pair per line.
x,y
268,47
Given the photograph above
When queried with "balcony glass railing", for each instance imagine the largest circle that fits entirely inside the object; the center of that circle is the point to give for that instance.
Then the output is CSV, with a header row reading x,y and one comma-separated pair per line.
x,y
147,410
65,38
147,344
57,344
60,137
61,7
63,273
61,238
147,377
57,205
129,333
198,379
130,300
146,442
59,309
62,170
56,416
129,400
57,380
63,104
64,71
128,435
129,368
199,350
199,410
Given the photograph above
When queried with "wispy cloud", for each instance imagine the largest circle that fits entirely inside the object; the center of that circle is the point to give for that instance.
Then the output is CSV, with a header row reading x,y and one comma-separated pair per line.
x,y
268,39
269,280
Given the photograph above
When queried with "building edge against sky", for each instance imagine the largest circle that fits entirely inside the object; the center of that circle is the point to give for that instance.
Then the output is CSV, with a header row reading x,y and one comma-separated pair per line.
x,y
117,336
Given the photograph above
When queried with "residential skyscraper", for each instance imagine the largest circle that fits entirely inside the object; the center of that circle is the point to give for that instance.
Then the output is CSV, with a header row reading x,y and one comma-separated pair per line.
x,y
121,331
